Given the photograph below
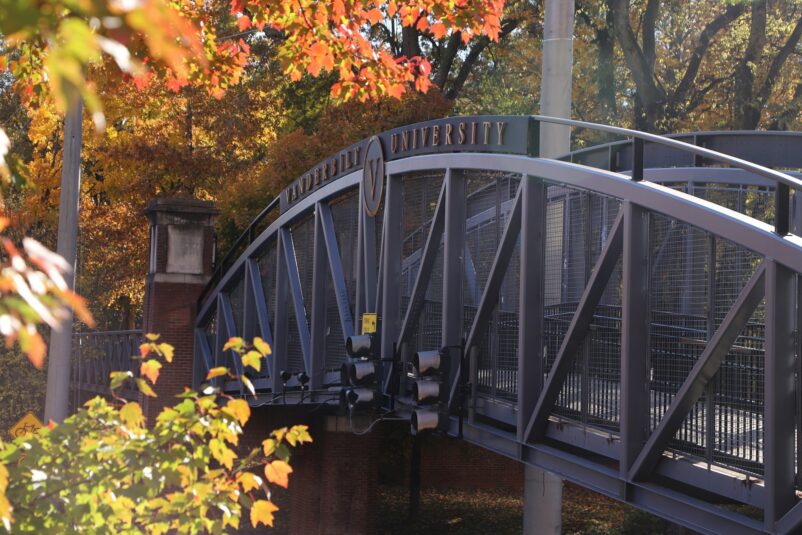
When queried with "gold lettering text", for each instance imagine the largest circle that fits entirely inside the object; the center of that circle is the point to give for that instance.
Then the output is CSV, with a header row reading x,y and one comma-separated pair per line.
x,y
449,131
474,131
424,134
461,129
415,138
500,126
486,129
394,143
435,135
405,140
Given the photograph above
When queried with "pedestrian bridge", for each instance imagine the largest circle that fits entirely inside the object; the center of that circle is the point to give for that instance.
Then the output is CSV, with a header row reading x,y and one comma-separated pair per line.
x,y
626,316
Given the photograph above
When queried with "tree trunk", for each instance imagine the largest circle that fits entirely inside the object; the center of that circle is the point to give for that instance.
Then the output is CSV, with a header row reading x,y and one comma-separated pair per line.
x,y
605,74
745,101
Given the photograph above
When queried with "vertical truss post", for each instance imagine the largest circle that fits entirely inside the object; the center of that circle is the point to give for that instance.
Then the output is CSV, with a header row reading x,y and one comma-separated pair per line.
x,y
453,269
634,335
279,356
782,209
248,328
391,292
318,319
369,271
359,294
779,419
531,301
637,159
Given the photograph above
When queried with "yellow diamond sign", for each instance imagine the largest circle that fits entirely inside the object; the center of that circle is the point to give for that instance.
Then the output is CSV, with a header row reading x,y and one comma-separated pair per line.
x,y
27,425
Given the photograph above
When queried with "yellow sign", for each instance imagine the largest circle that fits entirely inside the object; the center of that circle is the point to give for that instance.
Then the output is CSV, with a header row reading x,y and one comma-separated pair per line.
x,y
368,323
27,425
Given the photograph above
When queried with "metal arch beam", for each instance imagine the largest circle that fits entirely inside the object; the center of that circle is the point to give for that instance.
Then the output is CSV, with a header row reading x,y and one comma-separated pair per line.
x,y
723,222
336,270
425,269
577,329
706,366
728,224
296,295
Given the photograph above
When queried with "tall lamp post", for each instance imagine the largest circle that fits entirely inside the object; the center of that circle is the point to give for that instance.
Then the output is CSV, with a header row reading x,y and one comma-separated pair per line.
x,y
542,489
58,361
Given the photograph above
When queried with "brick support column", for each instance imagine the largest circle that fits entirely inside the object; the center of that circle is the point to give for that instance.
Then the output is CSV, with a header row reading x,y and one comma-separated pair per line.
x,y
181,253
334,483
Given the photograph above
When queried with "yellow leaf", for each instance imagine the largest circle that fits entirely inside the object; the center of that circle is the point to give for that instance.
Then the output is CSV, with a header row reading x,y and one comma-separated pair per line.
x,y
239,409
269,446
152,337
252,359
278,472
145,388
249,481
248,384
167,350
233,343
262,346
131,415
150,369
262,511
222,453
216,372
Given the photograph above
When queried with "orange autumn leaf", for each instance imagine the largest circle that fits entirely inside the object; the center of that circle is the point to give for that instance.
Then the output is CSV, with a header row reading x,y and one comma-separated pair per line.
x,y
150,369
278,472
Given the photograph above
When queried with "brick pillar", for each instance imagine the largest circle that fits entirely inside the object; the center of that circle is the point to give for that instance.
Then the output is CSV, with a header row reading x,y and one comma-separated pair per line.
x,y
181,252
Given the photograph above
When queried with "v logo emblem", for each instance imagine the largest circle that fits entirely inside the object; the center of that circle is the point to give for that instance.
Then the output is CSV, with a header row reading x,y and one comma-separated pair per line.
x,y
373,170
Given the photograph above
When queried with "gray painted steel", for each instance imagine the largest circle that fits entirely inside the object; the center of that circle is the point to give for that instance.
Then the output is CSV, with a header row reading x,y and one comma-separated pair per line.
x,y
638,337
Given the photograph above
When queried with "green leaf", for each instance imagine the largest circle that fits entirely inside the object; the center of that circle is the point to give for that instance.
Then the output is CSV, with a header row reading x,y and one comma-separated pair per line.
x,y
118,378
145,388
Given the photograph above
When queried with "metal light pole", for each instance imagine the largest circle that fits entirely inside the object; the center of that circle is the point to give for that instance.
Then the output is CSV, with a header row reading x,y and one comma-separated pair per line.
x,y
543,490
58,362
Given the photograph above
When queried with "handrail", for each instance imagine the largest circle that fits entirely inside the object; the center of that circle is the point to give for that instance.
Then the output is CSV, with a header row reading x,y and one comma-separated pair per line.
x,y
771,174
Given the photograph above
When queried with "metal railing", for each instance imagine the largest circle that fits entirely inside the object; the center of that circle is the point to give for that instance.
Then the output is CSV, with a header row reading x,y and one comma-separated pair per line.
x,y
97,354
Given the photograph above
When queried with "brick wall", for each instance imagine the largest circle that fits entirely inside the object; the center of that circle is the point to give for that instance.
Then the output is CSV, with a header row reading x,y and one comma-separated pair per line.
x,y
170,311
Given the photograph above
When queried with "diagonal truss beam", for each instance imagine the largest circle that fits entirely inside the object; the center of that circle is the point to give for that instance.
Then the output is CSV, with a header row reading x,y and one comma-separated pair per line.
x,y
579,326
296,295
497,271
203,364
259,302
336,270
706,366
494,281
425,269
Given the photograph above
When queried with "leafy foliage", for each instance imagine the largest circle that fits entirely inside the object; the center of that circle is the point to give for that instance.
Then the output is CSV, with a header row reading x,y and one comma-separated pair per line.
x,y
105,469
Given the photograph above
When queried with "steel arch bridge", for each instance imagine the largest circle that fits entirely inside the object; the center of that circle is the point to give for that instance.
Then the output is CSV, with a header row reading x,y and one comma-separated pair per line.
x,y
627,316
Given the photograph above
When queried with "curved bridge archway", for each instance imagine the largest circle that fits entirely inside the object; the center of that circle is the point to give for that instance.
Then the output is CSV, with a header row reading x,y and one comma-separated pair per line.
x,y
634,328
